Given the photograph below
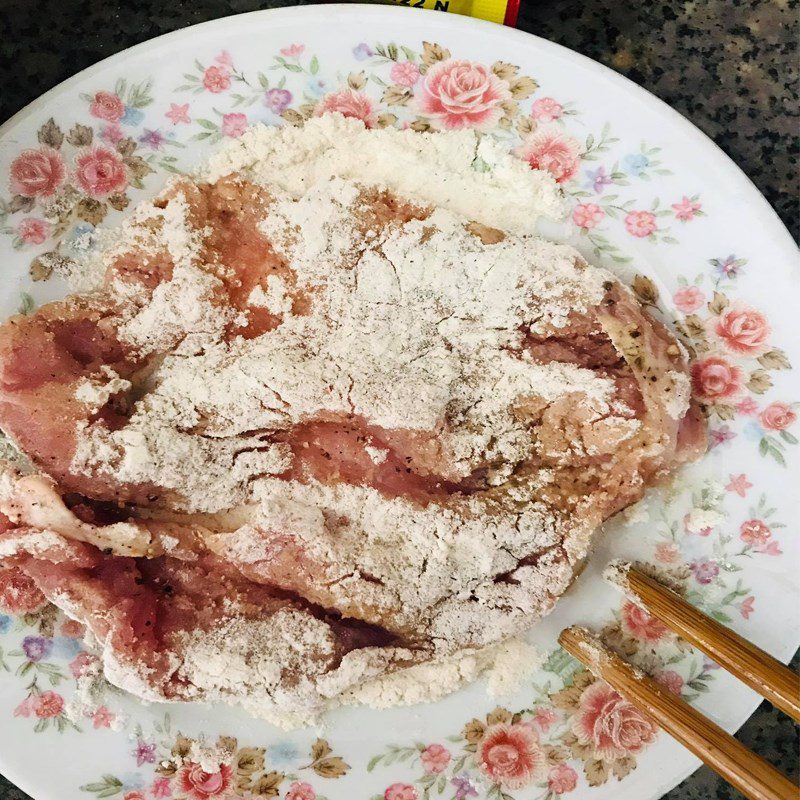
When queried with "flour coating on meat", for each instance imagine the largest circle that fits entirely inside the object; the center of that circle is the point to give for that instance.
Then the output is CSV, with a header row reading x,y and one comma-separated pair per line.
x,y
309,429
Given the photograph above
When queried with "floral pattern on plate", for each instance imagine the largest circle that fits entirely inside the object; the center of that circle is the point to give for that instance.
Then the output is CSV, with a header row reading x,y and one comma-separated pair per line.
x,y
245,772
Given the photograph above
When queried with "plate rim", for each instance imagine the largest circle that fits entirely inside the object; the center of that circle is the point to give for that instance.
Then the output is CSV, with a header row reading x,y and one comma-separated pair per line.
x,y
454,20
763,212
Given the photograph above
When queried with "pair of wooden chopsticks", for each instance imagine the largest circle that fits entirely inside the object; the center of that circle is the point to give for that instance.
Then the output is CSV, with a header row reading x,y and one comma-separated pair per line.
x,y
745,770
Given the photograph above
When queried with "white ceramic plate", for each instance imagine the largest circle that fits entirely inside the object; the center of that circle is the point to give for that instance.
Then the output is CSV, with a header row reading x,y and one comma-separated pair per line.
x,y
652,197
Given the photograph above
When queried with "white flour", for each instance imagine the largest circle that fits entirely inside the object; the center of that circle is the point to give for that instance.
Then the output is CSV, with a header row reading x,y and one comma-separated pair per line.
x,y
96,393
426,565
260,663
505,666
459,170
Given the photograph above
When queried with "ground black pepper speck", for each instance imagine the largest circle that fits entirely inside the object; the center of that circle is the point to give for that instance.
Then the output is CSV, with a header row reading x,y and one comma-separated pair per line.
x,y
730,66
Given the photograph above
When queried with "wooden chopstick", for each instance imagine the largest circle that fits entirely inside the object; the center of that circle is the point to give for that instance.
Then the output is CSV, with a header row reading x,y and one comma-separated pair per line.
x,y
745,770
751,665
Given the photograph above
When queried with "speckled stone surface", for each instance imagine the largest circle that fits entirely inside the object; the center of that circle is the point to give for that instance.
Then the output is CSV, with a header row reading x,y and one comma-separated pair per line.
x,y
730,66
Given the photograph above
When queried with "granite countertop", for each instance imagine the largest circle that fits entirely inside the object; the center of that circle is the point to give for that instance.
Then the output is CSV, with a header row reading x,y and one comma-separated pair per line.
x,y
730,66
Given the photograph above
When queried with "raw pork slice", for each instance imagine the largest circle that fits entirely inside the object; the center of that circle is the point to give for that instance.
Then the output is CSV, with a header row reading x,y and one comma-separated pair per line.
x,y
304,440
176,622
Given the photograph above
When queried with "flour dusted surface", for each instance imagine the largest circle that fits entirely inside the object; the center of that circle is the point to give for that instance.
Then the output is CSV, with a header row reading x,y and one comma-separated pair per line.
x,y
251,662
413,325
380,423
505,666
460,170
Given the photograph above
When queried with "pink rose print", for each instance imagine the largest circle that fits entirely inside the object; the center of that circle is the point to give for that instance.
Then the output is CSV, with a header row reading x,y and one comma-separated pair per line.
x,y
755,532
200,785
641,625
107,106
178,113
112,134
435,758
234,125
715,379
738,484
25,708
771,549
277,100
401,791
511,755
777,417
612,726
462,94
704,571
671,681
641,223
544,717
18,593
746,606
348,103
667,552
686,210
161,788
587,215
405,73
224,57
33,231
81,664
748,406
550,149
293,50
562,779
37,173
545,109
688,299
742,329
216,79
301,791
47,705
102,718
100,172
135,795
